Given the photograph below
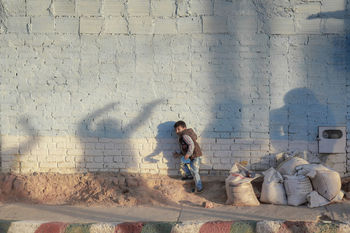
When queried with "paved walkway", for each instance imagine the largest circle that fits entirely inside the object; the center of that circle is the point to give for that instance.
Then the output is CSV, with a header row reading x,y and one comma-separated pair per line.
x,y
19,211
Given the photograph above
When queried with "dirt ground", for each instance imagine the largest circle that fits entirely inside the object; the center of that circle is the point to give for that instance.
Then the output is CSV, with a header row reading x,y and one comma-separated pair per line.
x,y
114,189
109,189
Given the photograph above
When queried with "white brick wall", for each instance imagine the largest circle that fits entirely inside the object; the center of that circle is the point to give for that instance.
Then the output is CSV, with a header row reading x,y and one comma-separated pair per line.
x,y
72,154
189,25
38,7
63,8
89,7
42,24
50,154
95,81
17,24
91,25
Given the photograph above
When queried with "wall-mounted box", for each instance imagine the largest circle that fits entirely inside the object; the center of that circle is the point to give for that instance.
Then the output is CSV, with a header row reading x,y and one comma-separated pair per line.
x,y
332,140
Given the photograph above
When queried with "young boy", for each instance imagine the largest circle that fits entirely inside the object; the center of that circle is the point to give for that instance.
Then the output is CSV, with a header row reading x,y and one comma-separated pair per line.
x,y
190,155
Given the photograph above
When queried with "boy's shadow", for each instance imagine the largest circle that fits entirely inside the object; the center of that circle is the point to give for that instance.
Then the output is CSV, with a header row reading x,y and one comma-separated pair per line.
x,y
14,164
165,131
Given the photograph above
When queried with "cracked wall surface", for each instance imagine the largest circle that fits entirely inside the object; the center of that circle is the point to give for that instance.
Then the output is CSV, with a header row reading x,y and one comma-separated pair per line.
x,y
95,85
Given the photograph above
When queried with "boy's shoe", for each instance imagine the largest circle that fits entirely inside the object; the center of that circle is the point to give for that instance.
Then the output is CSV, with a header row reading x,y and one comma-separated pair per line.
x,y
194,190
187,178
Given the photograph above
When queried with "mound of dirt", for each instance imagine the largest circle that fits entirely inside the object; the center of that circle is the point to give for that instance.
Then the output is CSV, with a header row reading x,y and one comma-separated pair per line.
x,y
108,189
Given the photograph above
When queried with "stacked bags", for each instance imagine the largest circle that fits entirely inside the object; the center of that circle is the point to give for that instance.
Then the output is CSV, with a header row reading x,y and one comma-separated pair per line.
x,y
294,181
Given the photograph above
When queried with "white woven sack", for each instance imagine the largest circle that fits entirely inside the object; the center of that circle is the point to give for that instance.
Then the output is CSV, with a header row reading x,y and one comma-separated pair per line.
x,y
240,191
288,166
272,188
316,200
297,188
326,182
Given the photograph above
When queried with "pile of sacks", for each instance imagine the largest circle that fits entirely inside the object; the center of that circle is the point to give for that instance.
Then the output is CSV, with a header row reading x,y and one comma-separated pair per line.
x,y
294,182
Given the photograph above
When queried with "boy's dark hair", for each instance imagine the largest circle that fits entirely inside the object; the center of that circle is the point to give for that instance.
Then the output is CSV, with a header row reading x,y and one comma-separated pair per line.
x,y
180,123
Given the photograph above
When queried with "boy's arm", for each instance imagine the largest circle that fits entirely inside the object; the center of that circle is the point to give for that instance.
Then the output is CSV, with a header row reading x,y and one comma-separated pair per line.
x,y
188,140
177,154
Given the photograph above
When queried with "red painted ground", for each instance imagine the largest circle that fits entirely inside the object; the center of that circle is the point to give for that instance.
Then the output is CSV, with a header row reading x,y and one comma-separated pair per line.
x,y
129,227
52,227
217,227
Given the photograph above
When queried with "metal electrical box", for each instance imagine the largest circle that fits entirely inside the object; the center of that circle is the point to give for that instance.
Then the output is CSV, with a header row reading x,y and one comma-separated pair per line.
x,y
332,140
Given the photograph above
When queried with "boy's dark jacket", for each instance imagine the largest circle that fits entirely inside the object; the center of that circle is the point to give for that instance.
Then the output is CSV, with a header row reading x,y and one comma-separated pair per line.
x,y
197,150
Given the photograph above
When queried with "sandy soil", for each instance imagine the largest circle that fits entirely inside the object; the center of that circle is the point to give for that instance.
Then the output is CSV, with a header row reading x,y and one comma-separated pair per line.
x,y
108,189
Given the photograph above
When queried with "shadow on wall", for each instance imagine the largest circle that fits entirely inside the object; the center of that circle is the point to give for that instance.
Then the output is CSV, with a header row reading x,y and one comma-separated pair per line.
x,y
96,126
336,23
298,120
329,15
227,119
107,147
340,56
165,131
295,125
105,140
236,83
10,159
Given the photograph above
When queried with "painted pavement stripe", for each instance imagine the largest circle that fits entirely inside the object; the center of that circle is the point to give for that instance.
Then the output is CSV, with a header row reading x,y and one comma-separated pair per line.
x,y
103,228
78,228
243,227
126,227
160,227
24,226
4,226
187,227
52,227
217,227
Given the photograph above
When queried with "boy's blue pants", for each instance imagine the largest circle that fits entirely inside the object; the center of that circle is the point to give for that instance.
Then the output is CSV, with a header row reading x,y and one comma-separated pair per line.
x,y
192,169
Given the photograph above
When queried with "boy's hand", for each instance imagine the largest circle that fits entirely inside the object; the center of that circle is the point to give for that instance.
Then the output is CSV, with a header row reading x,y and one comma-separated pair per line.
x,y
176,155
187,156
